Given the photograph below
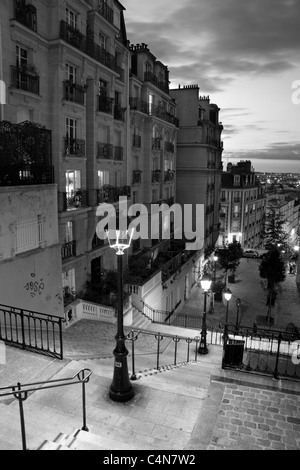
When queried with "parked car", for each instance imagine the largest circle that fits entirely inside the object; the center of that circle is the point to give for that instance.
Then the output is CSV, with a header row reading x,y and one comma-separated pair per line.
x,y
250,254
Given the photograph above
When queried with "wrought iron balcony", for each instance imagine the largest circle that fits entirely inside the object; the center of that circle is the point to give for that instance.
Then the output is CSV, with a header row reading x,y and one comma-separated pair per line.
x,y
25,14
139,105
156,176
68,250
150,77
105,151
75,199
105,105
169,147
136,177
169,175
75,147
119,113
25,154
74,92
106,11
24,79
137,141
111,193
76,39
156,143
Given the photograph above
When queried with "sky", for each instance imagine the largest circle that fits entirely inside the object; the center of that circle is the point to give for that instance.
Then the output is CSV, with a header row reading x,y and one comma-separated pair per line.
x,y
246,56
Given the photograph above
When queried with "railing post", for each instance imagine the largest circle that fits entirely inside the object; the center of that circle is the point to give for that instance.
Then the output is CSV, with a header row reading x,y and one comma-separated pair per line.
x,y
277,357
61,339
23,330
159,338
21,409
176,341
82,379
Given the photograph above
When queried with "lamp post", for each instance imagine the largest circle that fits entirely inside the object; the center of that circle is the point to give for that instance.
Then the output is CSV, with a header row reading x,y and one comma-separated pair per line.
x,y
205,284
121,389
227,294
215,266
238,304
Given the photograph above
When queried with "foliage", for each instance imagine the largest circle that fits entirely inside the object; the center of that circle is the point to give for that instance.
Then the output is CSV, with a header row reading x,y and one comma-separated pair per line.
x,y
229,258
272,268
273,232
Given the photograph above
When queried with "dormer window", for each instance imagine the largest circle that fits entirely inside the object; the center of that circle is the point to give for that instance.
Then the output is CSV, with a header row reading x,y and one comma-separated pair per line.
x,y
236,180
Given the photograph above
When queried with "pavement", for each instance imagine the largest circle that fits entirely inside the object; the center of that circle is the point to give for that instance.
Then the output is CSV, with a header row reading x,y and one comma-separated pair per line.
x,y
180,408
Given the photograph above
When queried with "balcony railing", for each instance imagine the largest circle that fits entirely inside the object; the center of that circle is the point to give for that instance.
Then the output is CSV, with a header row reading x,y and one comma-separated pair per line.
x,y
169,175
111,193
139,105
106,12
156,144
22,174
136,177
74,92
150,77
25,80
74,147
105,151
26,14
68,250
105,105
169,147
76,39
137,141
157,111
75,199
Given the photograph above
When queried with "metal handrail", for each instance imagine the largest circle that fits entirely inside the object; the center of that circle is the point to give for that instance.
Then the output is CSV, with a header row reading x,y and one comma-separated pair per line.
x,y
20,392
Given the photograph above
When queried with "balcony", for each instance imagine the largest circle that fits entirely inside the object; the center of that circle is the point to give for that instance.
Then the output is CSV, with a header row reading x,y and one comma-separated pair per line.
x,y
106,12
119,113
68,250
25,14
156,176
86,45
105,105
105,151
74,92
162,85
111,194
75,199
25,154
74,147
138,105
136,177
25,79
169,176
137,141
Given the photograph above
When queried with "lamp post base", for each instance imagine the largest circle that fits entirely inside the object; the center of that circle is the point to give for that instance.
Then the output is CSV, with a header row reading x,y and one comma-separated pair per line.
x,y
202,349
121,389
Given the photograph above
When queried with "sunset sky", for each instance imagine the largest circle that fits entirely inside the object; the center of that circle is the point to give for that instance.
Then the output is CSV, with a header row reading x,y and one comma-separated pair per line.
x,y
245,56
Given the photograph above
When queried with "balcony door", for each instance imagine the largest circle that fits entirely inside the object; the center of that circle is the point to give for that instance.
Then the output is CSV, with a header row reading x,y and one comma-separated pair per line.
x,y
73,182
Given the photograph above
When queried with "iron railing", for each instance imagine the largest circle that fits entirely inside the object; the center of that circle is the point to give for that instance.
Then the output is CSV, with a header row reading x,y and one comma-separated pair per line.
x,y
105,105
75,200
20,392
105,151
74,92
74,147
68,250
112,194
106,11
32,331
26,174
24,80
25,13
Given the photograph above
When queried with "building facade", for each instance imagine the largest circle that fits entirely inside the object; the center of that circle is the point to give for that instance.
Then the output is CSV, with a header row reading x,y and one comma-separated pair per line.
x,y
243,205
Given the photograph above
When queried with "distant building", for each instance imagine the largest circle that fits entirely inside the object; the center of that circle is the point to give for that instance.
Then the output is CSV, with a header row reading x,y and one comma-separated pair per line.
x,y
243,204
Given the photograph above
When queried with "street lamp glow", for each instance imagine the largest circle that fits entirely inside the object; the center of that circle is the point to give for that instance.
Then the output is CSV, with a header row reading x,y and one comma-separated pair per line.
x,y
296,248
119,240
205,283
215,259
227,294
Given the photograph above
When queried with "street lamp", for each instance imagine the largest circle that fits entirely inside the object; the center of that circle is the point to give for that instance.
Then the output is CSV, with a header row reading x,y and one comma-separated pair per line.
x,y
238,304
215,266
205,284
121,389
227,295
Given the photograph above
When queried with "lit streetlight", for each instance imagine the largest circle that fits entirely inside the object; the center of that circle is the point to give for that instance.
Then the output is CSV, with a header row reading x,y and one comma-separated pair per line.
x,y
205,284
227,295
121,389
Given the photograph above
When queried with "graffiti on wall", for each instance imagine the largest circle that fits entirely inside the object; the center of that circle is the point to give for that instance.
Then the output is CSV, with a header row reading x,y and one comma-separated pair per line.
x,y
34,287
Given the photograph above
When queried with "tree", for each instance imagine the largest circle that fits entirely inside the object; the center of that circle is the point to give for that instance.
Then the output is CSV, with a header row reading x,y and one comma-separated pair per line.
x,y
273,232
272,268
229,259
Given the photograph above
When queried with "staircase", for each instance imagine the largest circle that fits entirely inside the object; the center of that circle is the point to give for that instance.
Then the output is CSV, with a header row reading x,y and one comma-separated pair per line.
x,y
139,320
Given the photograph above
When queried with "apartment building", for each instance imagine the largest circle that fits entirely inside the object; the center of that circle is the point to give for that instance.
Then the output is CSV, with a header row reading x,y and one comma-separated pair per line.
x,y
199,160
243,205
65,66
287,206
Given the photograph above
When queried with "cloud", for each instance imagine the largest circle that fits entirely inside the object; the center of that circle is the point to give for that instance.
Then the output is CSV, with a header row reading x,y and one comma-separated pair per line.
x,y
279,151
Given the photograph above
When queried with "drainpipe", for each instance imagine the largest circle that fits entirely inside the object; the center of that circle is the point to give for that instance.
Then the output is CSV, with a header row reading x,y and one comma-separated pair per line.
x,y
2,83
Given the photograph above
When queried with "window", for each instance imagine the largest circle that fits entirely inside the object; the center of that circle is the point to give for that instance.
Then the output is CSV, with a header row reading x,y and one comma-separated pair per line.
x,y
73,182
71,73
102,88
236,180
29,234
71,128
68,282
103,178
151,103
71,18
2,92
69,232
21,57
